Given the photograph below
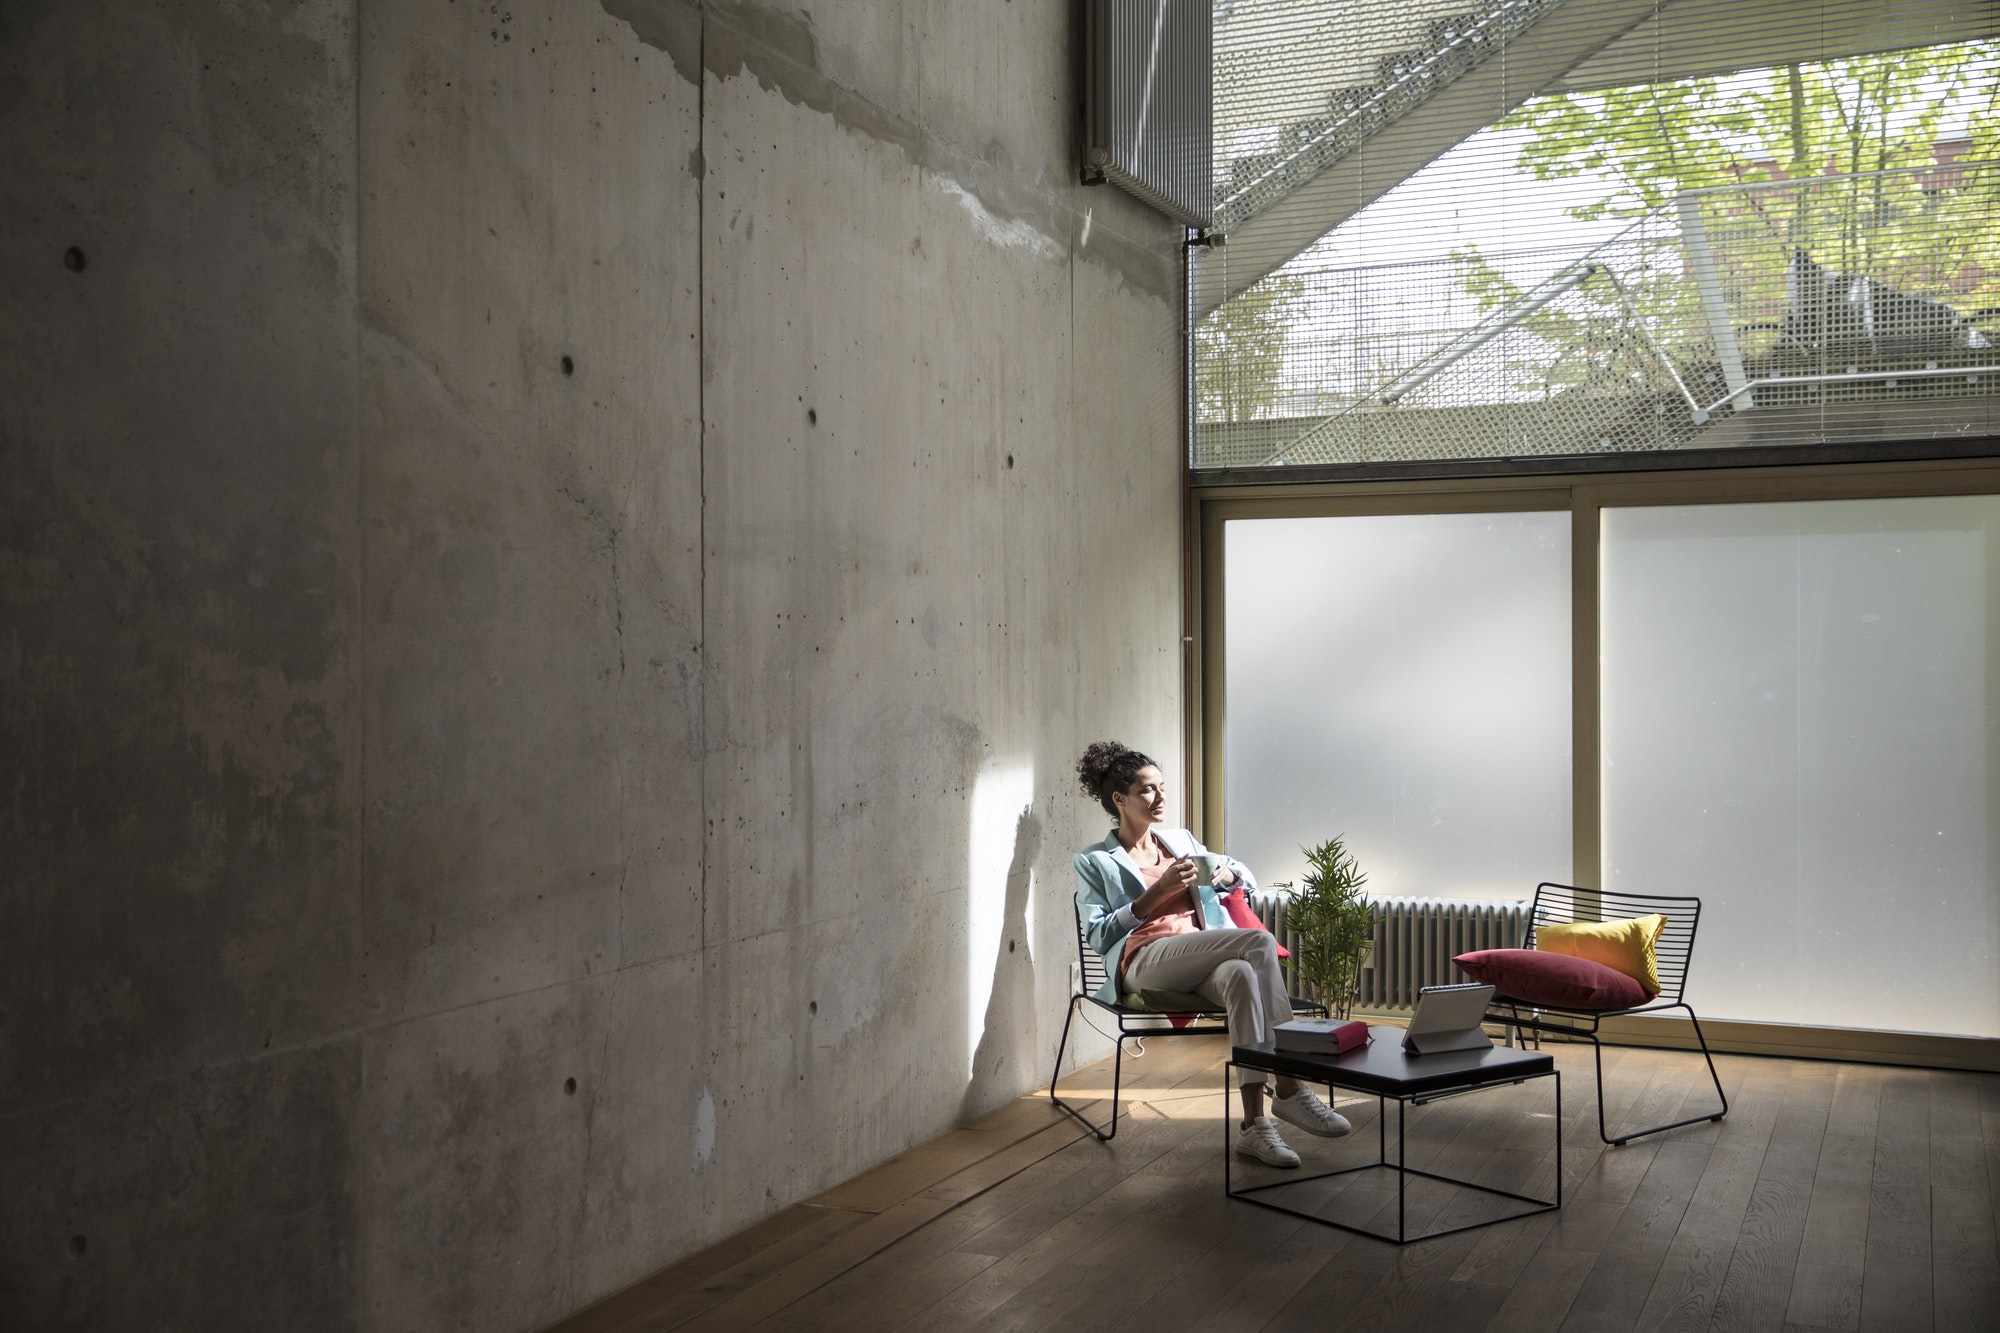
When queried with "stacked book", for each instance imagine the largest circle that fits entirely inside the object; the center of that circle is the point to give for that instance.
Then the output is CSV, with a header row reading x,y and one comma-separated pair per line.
x,y
1321,1036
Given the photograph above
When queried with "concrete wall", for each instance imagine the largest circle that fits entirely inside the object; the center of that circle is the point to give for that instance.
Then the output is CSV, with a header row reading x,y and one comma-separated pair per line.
x,y
556,559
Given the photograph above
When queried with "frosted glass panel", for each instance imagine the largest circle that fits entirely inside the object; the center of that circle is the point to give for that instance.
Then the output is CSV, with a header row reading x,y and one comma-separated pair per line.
x,y
1403,681
1799,725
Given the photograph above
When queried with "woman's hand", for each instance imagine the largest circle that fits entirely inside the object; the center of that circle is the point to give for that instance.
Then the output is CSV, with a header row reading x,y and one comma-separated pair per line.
x,y
1171,893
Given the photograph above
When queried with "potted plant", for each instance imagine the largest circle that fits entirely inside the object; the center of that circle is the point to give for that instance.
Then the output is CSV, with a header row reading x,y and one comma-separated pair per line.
x,y
1332,925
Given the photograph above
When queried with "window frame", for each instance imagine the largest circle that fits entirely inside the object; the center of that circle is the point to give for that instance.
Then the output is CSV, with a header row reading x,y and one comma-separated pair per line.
x,y
1214,501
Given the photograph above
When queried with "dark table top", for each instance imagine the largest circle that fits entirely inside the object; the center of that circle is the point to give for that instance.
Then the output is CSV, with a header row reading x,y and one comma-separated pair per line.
x,y
1383,1067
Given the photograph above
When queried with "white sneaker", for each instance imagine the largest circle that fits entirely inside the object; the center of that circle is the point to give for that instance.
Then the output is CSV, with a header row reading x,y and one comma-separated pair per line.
x,y
1304,1109
1259,1139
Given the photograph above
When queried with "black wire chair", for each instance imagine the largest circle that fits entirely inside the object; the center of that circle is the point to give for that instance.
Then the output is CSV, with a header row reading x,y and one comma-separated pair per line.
x,y
1136,1018
1563,904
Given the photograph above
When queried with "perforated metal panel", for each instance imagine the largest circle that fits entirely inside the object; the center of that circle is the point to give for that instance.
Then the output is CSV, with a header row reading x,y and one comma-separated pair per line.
x,y
1835,307
1436,252
1147,114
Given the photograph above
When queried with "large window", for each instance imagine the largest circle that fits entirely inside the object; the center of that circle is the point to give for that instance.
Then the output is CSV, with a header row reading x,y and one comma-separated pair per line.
x,y
1574,404
1778,690
1799,706
1402,680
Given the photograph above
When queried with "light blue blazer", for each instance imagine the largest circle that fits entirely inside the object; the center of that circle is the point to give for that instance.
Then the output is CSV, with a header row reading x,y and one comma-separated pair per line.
x,y
1108,884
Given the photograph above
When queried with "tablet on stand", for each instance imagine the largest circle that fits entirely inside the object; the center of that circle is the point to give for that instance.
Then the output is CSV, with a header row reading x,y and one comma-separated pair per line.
x,y
1447,1019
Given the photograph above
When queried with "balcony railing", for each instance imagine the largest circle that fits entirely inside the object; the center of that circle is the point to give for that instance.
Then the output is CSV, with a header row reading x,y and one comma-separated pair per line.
x,y
1822,308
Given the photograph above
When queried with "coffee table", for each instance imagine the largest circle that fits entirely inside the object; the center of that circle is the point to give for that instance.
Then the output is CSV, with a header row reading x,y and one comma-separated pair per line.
x,y
1384,1069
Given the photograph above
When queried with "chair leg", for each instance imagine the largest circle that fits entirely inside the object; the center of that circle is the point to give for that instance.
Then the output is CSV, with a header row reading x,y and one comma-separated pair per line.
x,y
1061,1046
1715,1078
1117,1069
1597,1054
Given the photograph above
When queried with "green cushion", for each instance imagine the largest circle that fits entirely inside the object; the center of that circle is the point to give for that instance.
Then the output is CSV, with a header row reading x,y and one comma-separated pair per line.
x,y
1169,1002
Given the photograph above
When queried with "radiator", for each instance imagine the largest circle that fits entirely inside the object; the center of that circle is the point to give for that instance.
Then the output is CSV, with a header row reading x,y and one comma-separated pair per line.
x,y
1416,941
1148,117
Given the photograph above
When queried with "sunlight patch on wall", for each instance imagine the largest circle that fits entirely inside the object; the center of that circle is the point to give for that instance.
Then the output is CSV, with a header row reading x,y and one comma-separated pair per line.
x,y
1002,795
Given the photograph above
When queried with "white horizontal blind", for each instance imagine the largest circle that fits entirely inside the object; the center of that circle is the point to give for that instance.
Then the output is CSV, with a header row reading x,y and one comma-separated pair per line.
x,y
1486,229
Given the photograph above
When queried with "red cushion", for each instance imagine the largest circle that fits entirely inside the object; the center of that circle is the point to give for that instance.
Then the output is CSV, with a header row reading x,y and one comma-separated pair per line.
x,y
1236,902
1558,980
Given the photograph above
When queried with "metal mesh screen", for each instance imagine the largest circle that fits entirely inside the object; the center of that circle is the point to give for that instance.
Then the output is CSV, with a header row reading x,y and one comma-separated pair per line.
x,y
1300,84
1592,306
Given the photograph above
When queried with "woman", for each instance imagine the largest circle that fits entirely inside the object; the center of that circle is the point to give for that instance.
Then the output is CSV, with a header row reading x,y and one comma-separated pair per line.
x,y
1158,929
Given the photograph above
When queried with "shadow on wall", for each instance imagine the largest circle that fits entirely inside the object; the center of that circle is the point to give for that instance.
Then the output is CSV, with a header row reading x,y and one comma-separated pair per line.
x,y
1004,1056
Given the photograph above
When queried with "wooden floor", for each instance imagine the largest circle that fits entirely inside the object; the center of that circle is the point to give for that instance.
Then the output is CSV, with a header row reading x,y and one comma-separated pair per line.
x,y
1832,1197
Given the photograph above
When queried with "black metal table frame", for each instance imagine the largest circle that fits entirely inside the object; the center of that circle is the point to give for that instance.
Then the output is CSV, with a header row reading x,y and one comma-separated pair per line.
x,y
1382,1163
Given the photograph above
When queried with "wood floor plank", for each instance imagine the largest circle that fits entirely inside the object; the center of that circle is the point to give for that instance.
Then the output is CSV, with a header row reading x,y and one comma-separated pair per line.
x,y
1042,1303
1090,1170
1896,1286
1385,1288
1653,1094
1989,1123
928,1264
1166,1065
675,1298
1832,1196
1691,1273
1966,1275
1615,1173
924,1166
1157,1245
1161,1062
1541,1298
1826,1285
806,1279
617,1313
1501,1256
1267,1282
1622,1278
1504,1141
1958,1146
1592,1200
894,1290
972,1303
813,1270
1757,1288
1828,1294
749,1241
1966,1266
996,1174
979,1176
1857,1099
1268,1251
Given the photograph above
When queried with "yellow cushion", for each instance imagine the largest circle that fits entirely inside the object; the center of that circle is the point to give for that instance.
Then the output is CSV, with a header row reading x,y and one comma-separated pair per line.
x,y
1625,944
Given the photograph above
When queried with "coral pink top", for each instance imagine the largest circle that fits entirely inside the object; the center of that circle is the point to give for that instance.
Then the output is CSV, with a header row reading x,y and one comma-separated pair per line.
x,y
1161,926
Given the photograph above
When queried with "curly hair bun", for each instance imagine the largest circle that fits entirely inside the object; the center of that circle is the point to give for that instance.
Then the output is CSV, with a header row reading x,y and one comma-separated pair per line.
x,y
1108,766
1098,757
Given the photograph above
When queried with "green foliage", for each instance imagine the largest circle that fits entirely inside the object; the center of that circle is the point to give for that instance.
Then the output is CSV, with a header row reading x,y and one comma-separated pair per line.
x,y
1239,350
1588,341
1655,140
1652,140
1332,926
1921,231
